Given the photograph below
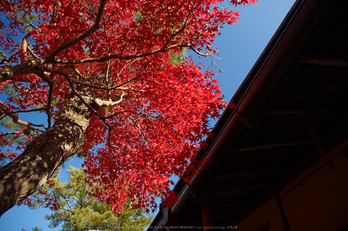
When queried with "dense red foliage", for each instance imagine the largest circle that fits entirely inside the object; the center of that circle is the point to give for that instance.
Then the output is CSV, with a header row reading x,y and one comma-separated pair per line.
x,y
123,50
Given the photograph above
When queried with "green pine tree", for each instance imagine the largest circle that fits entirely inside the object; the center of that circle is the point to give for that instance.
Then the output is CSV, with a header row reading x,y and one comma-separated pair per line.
x,y
78,211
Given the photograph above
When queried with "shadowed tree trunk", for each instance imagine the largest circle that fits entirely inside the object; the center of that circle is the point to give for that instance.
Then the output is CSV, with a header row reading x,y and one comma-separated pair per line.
x,y
30,170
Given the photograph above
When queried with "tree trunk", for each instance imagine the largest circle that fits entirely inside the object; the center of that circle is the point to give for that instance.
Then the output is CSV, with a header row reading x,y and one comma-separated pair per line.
x,y
30,170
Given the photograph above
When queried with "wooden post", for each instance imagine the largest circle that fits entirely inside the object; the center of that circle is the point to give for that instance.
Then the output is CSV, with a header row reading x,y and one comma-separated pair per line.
x,y
282,213
205,212
316,141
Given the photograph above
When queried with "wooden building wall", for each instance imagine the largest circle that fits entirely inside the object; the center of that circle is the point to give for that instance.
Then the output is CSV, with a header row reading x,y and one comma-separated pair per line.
x,y
320,203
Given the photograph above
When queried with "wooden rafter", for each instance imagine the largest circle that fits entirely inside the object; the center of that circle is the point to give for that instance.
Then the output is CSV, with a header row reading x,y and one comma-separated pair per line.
x,y
271,145
213,208
228,191
316,140
244,173
301,111
321,61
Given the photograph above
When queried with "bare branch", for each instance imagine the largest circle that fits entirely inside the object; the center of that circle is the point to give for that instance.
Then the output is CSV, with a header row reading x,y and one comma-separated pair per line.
x,y
25,44
139,127
197,52
32,52
106,103
22,68
32,25
8,60
137,77
15,118
9,133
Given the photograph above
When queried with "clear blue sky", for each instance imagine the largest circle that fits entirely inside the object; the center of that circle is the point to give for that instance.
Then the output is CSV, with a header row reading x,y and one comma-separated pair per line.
x,y
240,46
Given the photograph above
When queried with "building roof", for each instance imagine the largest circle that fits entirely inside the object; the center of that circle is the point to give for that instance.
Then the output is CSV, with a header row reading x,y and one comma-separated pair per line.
x,y
290,118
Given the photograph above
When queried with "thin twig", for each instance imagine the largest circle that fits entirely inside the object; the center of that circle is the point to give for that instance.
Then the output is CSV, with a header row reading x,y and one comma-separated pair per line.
x,y
181,29
133,112
134,120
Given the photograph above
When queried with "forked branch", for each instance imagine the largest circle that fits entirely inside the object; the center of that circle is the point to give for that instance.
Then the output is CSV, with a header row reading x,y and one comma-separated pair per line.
x,y
75,40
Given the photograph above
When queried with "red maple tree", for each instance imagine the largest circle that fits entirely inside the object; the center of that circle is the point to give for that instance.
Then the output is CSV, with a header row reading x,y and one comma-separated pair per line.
x,y
104,72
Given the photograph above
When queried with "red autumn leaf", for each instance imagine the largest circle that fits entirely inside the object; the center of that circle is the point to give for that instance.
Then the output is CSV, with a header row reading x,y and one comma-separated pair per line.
x,y
109,76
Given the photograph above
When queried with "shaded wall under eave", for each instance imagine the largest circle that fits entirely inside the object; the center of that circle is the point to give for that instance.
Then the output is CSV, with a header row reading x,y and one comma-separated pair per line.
x,y
320,203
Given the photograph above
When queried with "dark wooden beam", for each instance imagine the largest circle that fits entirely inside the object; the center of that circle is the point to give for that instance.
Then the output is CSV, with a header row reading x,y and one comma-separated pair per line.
x,y
321,61
227,205
298,111
228,191
198,222
216,208
282,213
224,215
316,140
244,173
205,212
272,145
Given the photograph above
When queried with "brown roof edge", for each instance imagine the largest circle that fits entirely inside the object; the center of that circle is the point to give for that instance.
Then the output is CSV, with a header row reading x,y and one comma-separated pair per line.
x,y
297,26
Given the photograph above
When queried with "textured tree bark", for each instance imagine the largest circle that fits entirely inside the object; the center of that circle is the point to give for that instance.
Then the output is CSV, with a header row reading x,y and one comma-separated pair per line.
x,y
29,171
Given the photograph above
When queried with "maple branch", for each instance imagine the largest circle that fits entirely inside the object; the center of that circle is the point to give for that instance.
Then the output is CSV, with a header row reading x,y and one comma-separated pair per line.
x,y
118,72
127,57
78,73
68,79
107,81
198,52
50,82
105,88
32,25
25,46
139,127
32,52
70,82
109,88
133,112
22,68
137,77
25,67
7,60
78,38
25,111
182,28
9,133
15,118
107,103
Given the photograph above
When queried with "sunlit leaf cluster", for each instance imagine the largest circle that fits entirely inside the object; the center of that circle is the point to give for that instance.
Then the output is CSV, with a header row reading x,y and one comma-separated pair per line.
x,y
149,101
